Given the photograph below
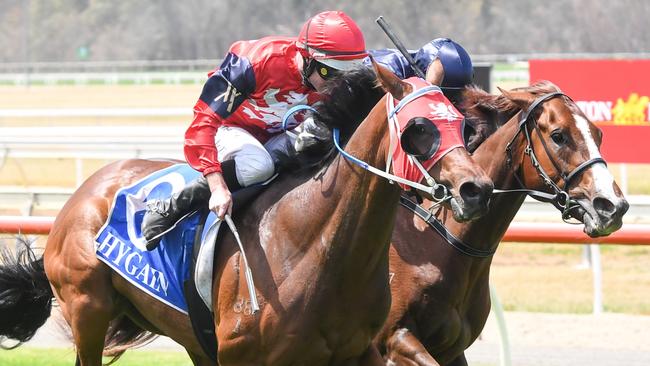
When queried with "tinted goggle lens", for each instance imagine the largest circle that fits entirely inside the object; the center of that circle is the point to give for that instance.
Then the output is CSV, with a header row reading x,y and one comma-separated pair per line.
x,y
325,71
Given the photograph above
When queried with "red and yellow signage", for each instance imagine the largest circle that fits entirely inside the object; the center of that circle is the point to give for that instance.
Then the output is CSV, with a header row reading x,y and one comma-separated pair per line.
x,y
614,94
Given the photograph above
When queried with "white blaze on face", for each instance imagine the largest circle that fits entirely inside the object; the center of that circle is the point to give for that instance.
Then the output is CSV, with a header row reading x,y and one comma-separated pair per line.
x,y
603,179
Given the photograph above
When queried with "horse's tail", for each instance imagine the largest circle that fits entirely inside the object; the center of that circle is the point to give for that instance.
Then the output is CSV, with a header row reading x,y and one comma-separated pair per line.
x,y
25,294
123,334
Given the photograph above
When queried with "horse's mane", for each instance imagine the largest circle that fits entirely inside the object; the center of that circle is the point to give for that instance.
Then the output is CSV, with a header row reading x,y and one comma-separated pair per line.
x,y
348,98
487,112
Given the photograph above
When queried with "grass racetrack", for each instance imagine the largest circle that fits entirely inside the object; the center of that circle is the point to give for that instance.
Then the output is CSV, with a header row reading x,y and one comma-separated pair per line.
x,y
90,96
549,278
61,357
29,356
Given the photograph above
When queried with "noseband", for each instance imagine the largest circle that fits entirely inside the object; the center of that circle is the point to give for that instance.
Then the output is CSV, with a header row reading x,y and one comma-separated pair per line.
x,y
560,199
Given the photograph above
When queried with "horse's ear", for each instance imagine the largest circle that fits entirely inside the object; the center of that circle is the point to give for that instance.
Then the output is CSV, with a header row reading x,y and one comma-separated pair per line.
x,y
390,82
519,98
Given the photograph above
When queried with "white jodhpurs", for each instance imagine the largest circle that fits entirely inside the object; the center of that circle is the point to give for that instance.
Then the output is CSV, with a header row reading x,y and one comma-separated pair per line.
x,y
253,162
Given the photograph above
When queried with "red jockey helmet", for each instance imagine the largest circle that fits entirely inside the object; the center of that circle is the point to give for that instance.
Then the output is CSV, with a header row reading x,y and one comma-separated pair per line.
x,y
334,39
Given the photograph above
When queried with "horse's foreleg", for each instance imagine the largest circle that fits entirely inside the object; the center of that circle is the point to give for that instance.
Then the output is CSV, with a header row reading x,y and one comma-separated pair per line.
x,y
403,348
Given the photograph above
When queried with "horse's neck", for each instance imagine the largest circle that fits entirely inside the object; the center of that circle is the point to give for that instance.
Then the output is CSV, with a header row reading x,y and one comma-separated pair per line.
x,y
363,220
487,231
353,209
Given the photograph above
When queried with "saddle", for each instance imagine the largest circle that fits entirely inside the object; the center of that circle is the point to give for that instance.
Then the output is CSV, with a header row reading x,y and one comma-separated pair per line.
x,y
179,272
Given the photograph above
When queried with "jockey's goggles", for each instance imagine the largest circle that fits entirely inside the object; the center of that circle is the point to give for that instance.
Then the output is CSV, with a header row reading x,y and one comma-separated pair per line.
x,y
324,71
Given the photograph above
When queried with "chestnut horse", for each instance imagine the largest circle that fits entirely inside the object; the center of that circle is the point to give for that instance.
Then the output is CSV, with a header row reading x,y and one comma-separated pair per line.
x,y
440,286
317,244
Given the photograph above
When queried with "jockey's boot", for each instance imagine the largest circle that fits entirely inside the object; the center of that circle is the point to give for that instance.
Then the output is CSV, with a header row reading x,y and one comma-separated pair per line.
x,y
162,214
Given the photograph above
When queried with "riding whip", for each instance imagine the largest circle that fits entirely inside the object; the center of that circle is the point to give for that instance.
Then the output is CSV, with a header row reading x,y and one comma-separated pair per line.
x,y
255,307
400,46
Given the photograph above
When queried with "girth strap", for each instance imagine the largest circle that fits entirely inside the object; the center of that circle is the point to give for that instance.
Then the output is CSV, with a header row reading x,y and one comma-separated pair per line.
x,y
436,225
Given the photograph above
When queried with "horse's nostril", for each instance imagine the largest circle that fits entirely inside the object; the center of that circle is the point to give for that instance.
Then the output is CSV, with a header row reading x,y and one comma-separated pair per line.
x,y
623,206
604,206
473,192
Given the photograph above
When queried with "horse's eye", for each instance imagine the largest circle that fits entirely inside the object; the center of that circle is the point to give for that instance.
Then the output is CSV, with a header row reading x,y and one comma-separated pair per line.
x,y
558,137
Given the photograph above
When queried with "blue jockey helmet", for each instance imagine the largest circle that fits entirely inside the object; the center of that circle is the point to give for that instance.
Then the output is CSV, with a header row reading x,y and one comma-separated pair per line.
x,y
454,59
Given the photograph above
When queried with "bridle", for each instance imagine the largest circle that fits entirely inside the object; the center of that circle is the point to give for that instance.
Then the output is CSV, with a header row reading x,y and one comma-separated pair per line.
x,y
560,198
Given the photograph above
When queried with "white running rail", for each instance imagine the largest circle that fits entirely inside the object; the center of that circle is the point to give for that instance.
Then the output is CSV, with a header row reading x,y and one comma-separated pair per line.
x,y
96,142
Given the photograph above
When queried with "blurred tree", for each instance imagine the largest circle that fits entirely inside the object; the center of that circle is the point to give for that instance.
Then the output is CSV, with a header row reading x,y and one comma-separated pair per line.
x,y
203,29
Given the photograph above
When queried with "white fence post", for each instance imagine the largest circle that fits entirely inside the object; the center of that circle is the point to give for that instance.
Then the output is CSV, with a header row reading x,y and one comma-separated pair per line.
x,y
586,261
596,268
497,310
79,169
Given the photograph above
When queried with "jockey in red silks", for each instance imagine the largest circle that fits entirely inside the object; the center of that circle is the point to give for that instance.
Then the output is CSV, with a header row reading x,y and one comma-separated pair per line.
x,y
238,117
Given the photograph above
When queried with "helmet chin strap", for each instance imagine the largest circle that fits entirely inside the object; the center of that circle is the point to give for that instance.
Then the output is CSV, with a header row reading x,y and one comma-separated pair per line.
x,y
308,66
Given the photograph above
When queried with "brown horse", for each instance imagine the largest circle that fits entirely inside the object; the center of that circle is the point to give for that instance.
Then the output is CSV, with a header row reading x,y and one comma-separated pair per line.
x,y
440,285
317,244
